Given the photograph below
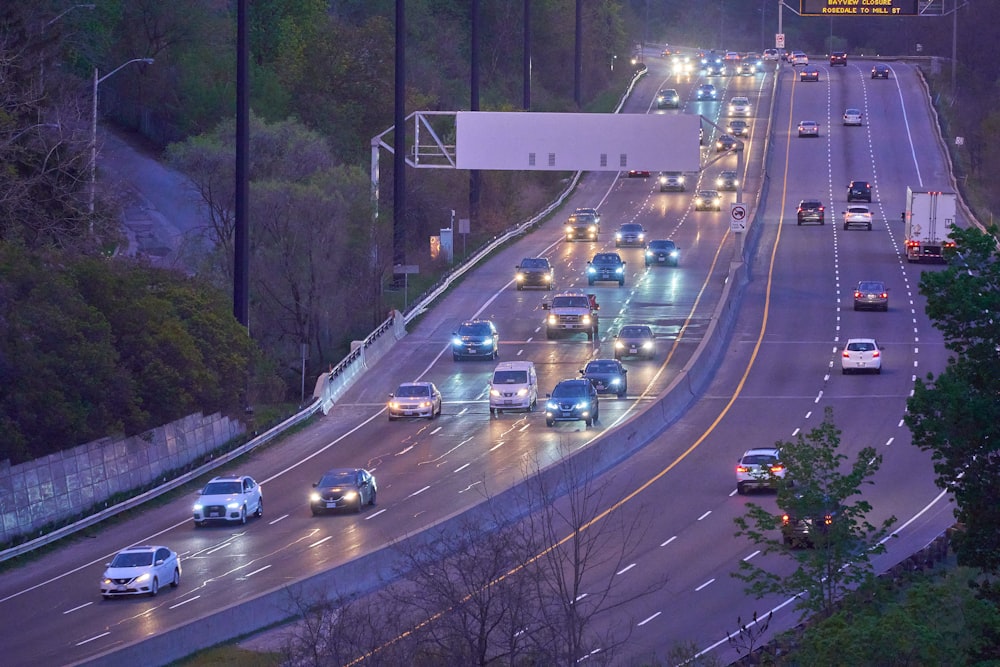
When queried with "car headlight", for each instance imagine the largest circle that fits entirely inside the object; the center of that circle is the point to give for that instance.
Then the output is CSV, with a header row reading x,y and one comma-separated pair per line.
x,y
197,507
649,253
619,270
142,577
718,182
674,253
314,497
591,269
456,341
552,406
350,495
619,345
488,342
582,405
547,277
519,277
393,405
569,229
592,229
553,319
233,505
522,392
495,393
616,381
585,319
618,237
648,345
642,237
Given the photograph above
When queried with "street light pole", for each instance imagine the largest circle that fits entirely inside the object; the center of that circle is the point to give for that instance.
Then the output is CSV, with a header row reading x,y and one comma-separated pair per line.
x,y
93,128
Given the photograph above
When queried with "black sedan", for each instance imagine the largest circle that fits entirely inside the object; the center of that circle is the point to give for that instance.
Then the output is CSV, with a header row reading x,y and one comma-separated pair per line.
x,y
662,252
608,376
343,489
880,71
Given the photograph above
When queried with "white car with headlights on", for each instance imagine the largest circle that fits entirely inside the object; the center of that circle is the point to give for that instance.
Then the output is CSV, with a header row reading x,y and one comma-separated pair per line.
x,y
141,571
226,499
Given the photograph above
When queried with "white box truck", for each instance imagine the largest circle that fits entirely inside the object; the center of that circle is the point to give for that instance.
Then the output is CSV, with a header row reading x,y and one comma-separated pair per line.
x,y
928,217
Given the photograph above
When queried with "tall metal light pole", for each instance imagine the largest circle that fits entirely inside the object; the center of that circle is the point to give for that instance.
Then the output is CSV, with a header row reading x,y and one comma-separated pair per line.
x,y
93,128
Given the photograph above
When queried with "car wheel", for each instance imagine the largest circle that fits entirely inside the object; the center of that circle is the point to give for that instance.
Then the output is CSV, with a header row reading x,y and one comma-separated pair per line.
x,y
878,371
519,288
243,515
800,223
856,307
177,579
493,412
822,222
371,501
106,597
869,227
260,508
499,412
549,287
845,371
199,524
621,394
621,283
846,226
391,418
314,511
589,421
154,588
740,489
455,357
360,504
549,422
590,282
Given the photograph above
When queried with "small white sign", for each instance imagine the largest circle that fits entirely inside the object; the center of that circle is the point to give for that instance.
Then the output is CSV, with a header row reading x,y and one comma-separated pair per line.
x,y
737,217
779,40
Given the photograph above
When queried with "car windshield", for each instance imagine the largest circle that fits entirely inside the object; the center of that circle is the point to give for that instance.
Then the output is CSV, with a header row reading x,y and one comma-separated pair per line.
x,y
631,227
569,390
602,367
571,302
634,332
534,263
811,204
222,488
861,347
133,559
477,329
857,209
412,391
340,478
605,258
510,377
662,245
582,218
870,287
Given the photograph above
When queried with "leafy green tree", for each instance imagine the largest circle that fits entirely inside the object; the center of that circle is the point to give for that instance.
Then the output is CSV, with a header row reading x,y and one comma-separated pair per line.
x,y
932,622
956,414
817,487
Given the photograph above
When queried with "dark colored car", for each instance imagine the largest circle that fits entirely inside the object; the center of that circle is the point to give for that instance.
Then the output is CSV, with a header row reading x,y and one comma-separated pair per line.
x,y
668,99
662,251
475,339
582,226
707,91
343,489
859,191
573,400
804,527
871,295
738,127
630,234
811,210
727,180
809,73
638,173
880,71
708,200
635,340
838,58
534,272
606,267
726,142
609,376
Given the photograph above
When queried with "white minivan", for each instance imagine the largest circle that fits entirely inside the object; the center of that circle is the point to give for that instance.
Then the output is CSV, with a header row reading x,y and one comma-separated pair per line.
x,y
514,387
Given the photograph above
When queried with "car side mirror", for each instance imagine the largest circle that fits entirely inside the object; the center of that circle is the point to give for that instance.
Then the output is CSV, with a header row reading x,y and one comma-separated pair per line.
x,y
902,216
582,372
548,395
392,395
546,305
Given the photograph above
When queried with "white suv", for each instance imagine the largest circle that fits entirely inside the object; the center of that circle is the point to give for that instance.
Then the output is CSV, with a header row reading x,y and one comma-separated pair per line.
x,y
228,499
739,106
514,387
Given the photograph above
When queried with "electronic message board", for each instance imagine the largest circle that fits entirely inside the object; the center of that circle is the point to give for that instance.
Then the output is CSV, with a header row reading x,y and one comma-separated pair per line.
x,y
858,8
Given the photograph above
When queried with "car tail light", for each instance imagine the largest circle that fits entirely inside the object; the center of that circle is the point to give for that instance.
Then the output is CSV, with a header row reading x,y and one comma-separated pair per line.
x,y
884,295
847,354
827,519
821,208
857,295
785,519
800,209
876,353
742,469
777,468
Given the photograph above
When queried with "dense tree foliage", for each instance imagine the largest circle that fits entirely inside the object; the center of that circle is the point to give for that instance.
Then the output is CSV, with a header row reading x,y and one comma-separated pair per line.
x,y
956,414
815,487
91,348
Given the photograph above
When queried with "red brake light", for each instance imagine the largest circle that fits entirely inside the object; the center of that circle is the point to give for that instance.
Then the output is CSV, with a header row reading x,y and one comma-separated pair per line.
x,y
785,519
828,519
857,295
875,353
777,468
846,354
742,469
822,208
884,295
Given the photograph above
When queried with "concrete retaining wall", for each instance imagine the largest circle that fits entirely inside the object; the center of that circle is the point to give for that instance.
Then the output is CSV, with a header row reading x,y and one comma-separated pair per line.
x,y
62,485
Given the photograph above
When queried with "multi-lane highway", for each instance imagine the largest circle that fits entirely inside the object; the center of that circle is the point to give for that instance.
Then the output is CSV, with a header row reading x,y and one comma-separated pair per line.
x,y
780,372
